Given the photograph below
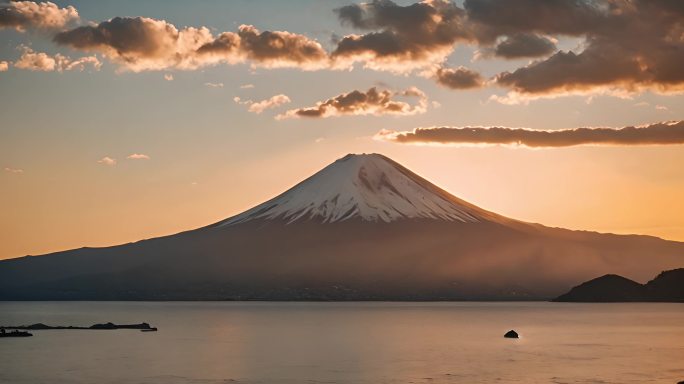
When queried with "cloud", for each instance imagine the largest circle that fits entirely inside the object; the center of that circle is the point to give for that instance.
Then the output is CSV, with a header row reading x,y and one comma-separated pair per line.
x,y
458,78
4,66
168,77
521,45
24,15
137,156
280,49
494,18
658,133
401,38
14,170
372,102
142,43
36,61
628,46
214,85
269,49
260,106
107,161
247,86
40,61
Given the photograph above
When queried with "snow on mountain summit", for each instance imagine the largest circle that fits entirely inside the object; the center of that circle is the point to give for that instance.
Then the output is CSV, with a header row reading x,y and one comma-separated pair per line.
x,y
370,187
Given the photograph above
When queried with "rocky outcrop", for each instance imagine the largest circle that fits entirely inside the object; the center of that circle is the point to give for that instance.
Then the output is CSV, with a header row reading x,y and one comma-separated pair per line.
x,y
511,334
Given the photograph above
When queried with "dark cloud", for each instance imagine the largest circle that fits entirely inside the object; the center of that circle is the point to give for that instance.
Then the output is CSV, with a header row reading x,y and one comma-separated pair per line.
x,y
658,133
400,37
629,45
458,78
23,15
567,71
494,18
522,45
372,102
425,33
601,64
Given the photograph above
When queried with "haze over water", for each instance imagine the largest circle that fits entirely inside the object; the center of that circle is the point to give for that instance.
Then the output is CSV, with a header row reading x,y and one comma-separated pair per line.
x,y
259,342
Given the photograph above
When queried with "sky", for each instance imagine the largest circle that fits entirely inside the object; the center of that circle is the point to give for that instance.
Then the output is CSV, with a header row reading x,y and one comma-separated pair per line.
x,y
128,120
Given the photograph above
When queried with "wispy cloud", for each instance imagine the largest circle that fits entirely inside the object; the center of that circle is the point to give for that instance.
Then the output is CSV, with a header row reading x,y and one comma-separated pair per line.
x,y
4,66
168,77
137,156
372,102
659,133
247,86
107,161
260,106
14,170
214,85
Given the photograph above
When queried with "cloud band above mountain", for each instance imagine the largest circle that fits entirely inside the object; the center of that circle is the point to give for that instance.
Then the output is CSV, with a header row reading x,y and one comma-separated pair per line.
x,y
623,46
658,133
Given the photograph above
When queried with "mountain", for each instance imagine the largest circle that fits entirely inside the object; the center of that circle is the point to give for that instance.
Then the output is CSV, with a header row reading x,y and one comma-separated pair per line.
x,y
371,188
607,288
363,228
668,286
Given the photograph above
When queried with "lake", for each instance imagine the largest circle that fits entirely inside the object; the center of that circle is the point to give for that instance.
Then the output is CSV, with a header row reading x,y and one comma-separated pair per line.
x,y
261,342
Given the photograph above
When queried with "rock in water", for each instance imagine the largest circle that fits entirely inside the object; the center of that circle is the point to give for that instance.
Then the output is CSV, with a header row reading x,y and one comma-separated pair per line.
x,y
511,334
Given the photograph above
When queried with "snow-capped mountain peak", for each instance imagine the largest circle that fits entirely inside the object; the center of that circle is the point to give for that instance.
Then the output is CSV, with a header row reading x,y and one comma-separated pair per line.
x,y
370,187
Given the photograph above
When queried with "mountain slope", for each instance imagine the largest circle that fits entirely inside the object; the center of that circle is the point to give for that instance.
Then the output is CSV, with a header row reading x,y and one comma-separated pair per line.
x,y
364,228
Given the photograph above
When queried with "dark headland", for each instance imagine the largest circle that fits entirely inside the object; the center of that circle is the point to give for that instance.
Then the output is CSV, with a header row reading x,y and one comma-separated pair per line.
x,y
668,286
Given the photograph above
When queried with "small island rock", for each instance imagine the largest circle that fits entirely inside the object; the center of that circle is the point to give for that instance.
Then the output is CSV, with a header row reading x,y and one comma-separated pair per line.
x,y
511,334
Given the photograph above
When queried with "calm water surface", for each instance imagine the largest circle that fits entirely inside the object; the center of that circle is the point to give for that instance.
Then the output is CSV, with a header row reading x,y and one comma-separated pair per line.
x,y
212,342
